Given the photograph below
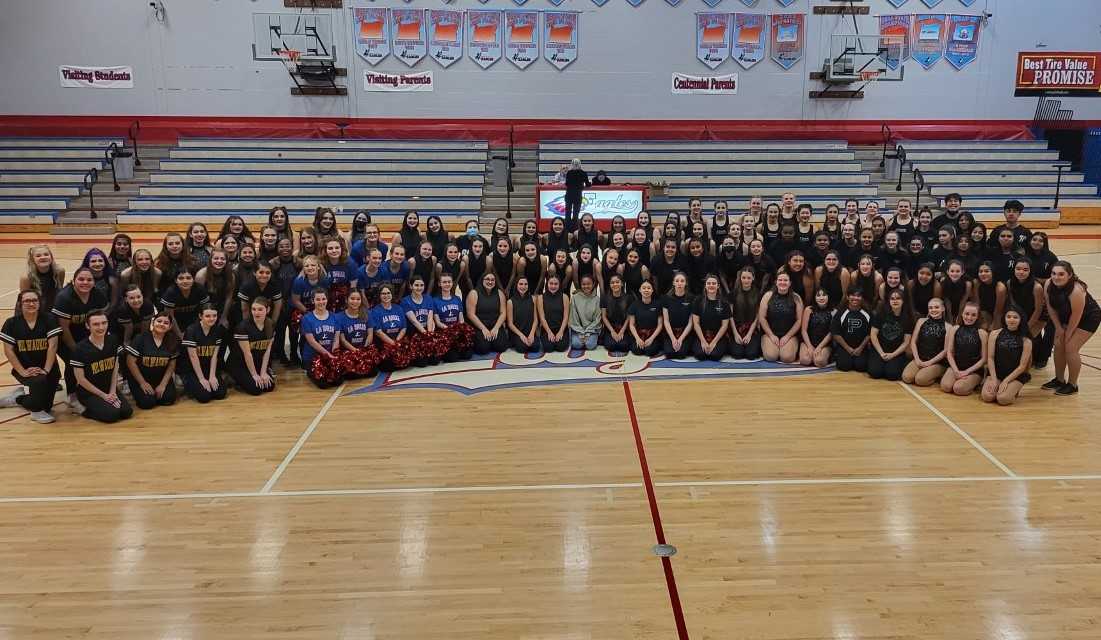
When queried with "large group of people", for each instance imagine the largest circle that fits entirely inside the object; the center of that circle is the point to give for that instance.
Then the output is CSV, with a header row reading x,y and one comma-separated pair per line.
x,y
906,296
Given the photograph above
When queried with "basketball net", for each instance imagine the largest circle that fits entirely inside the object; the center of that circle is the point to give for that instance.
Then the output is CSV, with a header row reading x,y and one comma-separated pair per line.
x,y
290,55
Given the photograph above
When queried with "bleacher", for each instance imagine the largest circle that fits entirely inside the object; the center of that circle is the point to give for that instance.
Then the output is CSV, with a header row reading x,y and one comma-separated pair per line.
x,y
818,172
40,176
208,179
987,173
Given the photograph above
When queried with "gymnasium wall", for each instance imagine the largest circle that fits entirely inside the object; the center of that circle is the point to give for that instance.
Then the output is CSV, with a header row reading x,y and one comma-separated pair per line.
x,y
199,63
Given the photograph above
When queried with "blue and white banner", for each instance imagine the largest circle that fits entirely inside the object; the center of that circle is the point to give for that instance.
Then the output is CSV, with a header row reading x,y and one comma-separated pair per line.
x,y
372,33
967,3
747,43
787,38
927,39
898,3
749,3
445,35
963,40
894,39
522,37
635,3
712,38
410,38
712,3
786,3
674,3
560,37
483,33
932,3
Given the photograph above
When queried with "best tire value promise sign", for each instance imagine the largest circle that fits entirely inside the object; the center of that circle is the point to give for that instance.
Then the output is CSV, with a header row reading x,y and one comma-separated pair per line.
x,y
1058,73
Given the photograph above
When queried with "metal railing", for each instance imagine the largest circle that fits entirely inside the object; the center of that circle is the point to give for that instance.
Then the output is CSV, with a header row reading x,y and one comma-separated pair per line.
x,y
91,177
1059,166
132,133
919,186
885,130
511,164
109,155
900,152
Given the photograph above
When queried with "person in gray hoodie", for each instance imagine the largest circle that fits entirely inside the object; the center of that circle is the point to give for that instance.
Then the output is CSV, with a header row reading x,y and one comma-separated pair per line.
x,y
585,316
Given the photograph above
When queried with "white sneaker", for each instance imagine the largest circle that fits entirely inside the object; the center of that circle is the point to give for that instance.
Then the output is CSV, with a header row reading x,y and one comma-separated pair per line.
x,y
124,387
9,399
75,406
42,417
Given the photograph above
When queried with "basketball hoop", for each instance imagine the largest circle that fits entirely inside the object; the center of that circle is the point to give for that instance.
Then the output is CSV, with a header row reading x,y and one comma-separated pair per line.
x,y
870,75
290,55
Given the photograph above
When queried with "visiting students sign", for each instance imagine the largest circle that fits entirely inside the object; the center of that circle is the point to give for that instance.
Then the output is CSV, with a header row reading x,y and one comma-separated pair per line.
x,y
96,77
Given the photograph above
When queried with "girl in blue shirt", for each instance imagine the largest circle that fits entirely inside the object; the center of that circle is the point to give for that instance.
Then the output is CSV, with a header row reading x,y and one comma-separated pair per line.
x,y
428,346
448,316
320,331
358,355
341,272
369,278
390,326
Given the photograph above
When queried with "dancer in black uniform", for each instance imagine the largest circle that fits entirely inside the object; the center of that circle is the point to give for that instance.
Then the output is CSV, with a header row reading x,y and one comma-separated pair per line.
x,y
833,278
778,318
614,304
533,266
965,352
522,325
250,353
1076,316
1010,354
71,308
43,275
852,330
927,348
202,359
676,309
710,321
745,300
95,364
1026,292
131,317
892,326
815,327
30,339
955,289
991,295
553,308
151,363
644,322
923,288
182,301
485,309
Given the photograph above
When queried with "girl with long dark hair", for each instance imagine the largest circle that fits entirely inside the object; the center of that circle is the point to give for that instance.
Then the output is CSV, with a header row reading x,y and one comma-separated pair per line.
x,y
121,255
391,327
250,354
181,302
779,321
131,317
955,289
533,266
852,330
141,273
833,278
923,288
521,318
220,282
553,309
198,244
486,310
614,304
437,236
745,299
504,264
200,367
1009,355
151,364
815,326
420,314
1076,316
677,316
30,339
477,264
1026,293
892,326
105,281
644,322
173,258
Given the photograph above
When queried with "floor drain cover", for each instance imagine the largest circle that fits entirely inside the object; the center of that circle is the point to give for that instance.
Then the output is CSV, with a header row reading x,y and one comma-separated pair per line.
x,y
665,550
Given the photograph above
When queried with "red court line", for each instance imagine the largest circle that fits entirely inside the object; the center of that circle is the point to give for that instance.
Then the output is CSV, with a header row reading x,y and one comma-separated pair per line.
x,y
666,563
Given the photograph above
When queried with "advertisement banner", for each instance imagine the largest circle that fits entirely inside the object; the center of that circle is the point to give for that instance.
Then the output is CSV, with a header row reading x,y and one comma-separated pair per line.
x,y
445,36
410,40
963,40
787,38
372,34
394,82
747,43
927,39
603,204
96,77
522,37
560,37
1059,73
483,32
712,38
684,84
894,34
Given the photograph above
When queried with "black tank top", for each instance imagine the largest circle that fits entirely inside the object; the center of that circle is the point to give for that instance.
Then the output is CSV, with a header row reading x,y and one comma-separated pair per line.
x,y
953,295
475,269
781,313
607,272
523,312
533,269
930,340
503,266
1023,295
585,269
488,308
719,231
988,296
453,268
587,238
967,346
771,235
47,290
1060,301
818,326
424,268
831,283
556,242
1007,355
554,309
632,277
920,295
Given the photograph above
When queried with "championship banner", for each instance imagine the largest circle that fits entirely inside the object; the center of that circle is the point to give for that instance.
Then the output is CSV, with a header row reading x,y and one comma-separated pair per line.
x,y
96,77
557,2
963,40
674,3
932,3
747,44
560,37
967,3
684,84
712,3
410,42
522,37
892,30
372,34
749,3
633,3
897,3
483,32
395,82
927,39
1068,74
787,38
445,35
786,3
712,38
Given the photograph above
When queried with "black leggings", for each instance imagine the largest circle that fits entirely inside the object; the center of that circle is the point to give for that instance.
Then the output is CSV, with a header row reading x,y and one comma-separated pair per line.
x,y
554,347
716,354
71,386
616,346
244,380
751,351
483,346
886,370
654,349
40,390
519,347
147,401
1043,344
95,408
201,395
848,362
685,347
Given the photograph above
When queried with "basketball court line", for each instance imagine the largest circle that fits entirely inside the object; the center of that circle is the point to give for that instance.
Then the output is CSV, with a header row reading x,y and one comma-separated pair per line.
x,y
963,434
301,441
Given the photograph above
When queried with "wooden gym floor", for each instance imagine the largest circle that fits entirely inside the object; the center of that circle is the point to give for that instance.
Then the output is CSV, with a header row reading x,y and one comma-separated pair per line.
x,y
805,506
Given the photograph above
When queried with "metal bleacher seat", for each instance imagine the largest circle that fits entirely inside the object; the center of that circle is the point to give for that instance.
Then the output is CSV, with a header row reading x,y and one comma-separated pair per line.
x,y
39,176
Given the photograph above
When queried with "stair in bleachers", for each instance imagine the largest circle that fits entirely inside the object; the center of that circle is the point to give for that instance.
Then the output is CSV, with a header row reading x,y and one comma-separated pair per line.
x,y
207,179
77,220
497,202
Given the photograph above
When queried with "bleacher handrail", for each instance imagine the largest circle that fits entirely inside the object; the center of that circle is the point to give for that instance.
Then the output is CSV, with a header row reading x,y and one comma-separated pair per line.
x,y
1059,166
900,153
919,186
109,154
132,132
888,135
91,177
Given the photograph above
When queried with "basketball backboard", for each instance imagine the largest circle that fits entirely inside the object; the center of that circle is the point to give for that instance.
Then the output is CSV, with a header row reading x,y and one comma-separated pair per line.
x,y
311,34
861,58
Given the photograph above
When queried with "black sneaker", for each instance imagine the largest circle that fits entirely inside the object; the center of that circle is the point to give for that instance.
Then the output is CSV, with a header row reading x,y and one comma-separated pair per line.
x,y
1039,364
1054,383
1067,389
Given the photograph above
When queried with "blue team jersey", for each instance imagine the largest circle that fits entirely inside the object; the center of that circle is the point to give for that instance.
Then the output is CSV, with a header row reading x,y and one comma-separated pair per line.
x,y
390,321
420,311
303,288
448,311
396,278
341,273
359,252
366,282
324,331
354,329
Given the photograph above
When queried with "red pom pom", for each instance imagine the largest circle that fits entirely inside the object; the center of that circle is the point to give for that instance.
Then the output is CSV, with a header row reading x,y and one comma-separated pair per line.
x,y
359,362
338,295
460,337
296,319
399,354
325,369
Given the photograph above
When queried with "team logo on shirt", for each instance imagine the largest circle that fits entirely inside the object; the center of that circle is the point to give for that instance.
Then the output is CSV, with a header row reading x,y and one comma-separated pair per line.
x,y
512,370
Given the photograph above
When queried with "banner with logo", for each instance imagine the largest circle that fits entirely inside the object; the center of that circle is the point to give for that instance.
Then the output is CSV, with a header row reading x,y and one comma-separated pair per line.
x,y
963,40
967,3
395,82
674,3
483,33
96,77
560,37
747,42
712,38
602,204
410,40
927,39
1075,73
684,84
372,33
894,34
749,3
786,3
445,35
522,37
932,3
712,3
897,3
787,38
